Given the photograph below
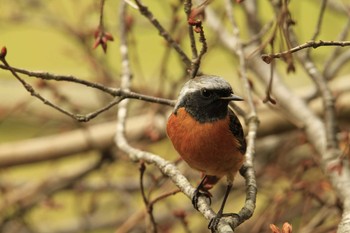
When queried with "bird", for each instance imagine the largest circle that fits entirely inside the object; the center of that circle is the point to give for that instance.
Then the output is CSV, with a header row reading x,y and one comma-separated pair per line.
x,y
208,135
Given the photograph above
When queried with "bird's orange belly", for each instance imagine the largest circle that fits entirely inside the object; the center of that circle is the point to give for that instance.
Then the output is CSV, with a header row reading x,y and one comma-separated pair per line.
x,y
208,147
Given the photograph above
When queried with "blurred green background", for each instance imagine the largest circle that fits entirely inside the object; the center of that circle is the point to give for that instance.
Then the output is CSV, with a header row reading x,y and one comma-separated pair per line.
x,y
57,37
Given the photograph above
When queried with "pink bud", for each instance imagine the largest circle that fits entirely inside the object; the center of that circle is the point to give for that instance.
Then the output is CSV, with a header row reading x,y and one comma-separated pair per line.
x,y
3,52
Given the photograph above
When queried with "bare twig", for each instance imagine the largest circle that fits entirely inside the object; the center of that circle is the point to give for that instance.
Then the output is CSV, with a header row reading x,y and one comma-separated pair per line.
x,y
259,35
32,91
118,93
60,78
165,195
335,60
149,207
311,44
164,70
195,24
102,4
101,36
320,20
197,61
148,14
268,98
188,10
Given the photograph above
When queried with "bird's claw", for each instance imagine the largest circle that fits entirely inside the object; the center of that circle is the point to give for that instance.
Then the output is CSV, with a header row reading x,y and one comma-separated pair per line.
x,y
213,223
197,193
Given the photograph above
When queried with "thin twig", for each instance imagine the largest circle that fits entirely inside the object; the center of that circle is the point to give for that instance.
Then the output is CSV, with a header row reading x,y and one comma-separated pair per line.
x,y
196,62
59,78
311,44
92,115
194,20
115,92
32,91
102,36
320,20
334,57
164,70
257,37
102,4
163,196
148,14
119,93
285,24
149,206
188,10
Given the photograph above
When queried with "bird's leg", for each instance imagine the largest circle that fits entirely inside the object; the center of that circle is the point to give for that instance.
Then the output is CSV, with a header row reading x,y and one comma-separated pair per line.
x,y
200,191
215,220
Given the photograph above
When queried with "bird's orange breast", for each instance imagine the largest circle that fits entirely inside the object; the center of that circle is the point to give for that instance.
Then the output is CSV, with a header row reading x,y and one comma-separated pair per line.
x,y
208,147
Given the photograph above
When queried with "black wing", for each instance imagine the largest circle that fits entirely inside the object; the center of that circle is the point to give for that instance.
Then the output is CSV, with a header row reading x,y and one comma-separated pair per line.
x,y
237,130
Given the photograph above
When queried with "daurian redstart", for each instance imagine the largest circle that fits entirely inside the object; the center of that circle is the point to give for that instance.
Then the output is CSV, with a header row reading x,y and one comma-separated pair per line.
x,y
207,134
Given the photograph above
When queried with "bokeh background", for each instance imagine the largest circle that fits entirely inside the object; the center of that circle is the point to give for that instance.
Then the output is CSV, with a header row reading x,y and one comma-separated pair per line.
x,y
77,192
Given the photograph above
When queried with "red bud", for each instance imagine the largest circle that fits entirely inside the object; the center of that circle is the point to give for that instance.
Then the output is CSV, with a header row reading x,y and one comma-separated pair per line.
x,y
108,36
3,52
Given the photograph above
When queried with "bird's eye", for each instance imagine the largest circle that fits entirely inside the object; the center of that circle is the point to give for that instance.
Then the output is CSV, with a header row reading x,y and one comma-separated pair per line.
x,y
206,93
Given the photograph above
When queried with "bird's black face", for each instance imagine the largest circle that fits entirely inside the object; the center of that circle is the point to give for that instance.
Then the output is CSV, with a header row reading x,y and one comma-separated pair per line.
x,y
207,105
206,98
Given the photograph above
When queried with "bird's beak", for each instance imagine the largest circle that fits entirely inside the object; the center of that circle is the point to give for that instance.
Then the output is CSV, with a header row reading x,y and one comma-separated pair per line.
x,y
232,97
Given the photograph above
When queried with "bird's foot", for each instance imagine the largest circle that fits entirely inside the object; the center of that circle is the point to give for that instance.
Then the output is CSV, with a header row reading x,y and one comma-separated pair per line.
x,y
197,193
214,222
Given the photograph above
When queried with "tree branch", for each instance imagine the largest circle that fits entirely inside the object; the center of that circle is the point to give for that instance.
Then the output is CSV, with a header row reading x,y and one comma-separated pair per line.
x,y
119,94
311,44
148,14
